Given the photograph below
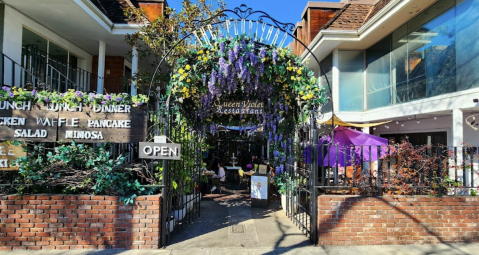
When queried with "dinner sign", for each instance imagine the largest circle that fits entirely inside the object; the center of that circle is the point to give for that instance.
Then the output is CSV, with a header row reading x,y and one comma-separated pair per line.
x,y
53,122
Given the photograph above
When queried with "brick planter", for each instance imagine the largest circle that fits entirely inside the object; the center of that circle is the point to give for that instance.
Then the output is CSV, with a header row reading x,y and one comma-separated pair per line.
x,y
78,222
355,220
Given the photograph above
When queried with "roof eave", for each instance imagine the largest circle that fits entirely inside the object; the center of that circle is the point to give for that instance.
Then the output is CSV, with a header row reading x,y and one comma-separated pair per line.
x,y
353,35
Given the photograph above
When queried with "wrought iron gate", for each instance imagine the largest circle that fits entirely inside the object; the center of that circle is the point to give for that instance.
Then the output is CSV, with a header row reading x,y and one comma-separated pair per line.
x,y
301,195
181,180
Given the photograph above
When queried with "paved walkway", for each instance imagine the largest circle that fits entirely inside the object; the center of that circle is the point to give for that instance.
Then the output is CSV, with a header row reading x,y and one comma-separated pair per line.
x,y
229,225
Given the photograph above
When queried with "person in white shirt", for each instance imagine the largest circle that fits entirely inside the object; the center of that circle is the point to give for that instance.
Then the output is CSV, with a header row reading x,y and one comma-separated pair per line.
x,y
221,174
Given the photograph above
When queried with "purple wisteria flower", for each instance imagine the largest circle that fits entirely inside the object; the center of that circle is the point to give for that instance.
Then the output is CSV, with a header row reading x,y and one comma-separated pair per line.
x,y
236,50
275,55
6,88
108,97
78,93
231,56
103,102
138,104
118,99
33,92
262,53
11,94
222,47
47,99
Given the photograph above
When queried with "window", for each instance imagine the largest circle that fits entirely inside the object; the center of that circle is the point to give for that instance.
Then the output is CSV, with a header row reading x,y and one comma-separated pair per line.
x,y
351,84
378,74
327,65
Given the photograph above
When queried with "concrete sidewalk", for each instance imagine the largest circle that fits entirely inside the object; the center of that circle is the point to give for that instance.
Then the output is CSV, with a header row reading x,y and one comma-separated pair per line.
x,y
443,249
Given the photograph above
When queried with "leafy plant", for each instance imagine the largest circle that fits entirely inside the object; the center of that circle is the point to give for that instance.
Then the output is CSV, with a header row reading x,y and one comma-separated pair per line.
x,y
71,97
78,168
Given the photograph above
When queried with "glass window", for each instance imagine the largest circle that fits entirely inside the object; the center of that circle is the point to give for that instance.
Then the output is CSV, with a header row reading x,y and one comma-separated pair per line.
x,y
327,65
378,74
351,83
467,44
431,52
399,65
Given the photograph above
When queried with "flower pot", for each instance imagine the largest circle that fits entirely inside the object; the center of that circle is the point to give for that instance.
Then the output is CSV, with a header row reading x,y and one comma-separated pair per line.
x,y
170,225
178,214
293,207
189,201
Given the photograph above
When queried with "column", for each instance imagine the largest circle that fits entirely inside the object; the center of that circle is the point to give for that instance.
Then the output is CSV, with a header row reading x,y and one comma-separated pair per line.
x,y
134,69
101,67
365,129
457,140
335,82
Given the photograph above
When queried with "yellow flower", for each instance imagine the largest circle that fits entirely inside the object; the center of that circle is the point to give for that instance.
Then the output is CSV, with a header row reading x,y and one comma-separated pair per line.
x,y
307,87
264,59
292,78
182,78
200,52
207,52
188,80
299,71
301,92
304,97
317,89
199,57
181,71
185,74
187,67
310,96
205,58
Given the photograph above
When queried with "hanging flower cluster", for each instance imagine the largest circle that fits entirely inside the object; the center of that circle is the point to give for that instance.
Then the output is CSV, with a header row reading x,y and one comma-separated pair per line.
x,y
241,69
71,97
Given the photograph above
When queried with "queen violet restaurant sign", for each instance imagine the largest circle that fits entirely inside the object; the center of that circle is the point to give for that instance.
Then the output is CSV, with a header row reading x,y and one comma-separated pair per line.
x,y
52,122
239,107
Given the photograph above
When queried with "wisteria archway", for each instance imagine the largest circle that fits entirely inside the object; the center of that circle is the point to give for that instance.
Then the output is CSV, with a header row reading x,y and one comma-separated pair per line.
x,y
243,59
239,68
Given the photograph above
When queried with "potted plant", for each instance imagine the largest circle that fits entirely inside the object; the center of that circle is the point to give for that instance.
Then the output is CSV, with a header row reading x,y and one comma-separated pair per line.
x,y
284,182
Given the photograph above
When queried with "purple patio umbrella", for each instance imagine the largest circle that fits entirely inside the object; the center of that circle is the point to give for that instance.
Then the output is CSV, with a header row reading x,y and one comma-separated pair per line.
x,y
348,143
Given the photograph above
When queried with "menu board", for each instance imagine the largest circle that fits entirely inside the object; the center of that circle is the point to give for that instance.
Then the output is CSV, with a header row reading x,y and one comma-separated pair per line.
x,y
53,122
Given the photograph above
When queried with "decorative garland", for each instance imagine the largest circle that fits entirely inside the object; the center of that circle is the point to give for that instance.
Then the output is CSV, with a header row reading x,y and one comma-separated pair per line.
x,y
71,97
242,69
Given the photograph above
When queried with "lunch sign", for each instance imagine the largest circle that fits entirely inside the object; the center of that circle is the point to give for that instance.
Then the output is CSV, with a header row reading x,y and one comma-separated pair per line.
x,y
25,121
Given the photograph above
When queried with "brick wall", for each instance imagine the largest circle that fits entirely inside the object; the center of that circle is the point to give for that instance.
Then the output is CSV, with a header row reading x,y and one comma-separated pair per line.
x,y
355,220
78,222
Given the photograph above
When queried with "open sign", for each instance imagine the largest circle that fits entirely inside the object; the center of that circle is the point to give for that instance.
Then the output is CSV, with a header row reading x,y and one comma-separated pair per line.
x,y
160,151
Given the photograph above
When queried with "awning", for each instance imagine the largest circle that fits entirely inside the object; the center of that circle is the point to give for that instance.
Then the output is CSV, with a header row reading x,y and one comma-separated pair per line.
x,y
339,122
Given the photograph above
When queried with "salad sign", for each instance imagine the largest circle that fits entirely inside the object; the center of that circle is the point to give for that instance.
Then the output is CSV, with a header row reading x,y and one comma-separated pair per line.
x,y
61,122
239,107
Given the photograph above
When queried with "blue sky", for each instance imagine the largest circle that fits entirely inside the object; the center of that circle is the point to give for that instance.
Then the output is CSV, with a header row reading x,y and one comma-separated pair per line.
x,y
286,11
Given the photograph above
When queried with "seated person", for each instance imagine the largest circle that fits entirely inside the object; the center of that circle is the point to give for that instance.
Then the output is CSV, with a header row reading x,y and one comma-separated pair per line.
x,y
221,175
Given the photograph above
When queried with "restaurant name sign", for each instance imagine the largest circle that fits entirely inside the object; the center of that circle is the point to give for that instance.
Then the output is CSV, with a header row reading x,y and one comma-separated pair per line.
x,y
52,122
239,107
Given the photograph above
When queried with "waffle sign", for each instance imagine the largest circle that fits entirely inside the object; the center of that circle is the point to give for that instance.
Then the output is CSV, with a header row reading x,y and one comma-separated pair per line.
x,y
53,122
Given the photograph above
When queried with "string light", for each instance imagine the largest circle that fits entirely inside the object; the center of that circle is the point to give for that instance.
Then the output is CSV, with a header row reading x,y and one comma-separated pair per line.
x,y
418,121
397,122
435,118
374,128
402,124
